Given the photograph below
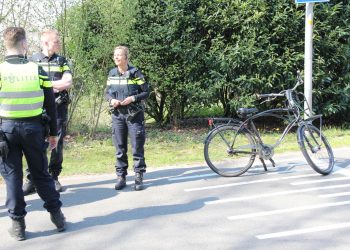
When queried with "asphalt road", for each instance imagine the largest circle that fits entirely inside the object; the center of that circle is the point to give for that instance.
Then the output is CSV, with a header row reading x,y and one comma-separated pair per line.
x,y
190,207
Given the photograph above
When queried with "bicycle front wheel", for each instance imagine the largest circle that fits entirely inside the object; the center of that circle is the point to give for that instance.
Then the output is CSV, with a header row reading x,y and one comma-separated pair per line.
x,y
316,149
229,151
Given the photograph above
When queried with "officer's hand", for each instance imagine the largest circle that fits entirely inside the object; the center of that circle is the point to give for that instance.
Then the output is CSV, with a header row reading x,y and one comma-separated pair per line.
x,y
53,140
115,103
127,101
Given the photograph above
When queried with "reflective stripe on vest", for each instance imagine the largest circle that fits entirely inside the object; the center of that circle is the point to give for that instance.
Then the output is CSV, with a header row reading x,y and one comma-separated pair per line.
x,y
117,80
20,94
51,68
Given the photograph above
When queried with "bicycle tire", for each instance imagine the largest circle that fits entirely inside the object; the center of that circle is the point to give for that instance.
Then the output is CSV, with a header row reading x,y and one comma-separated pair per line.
x,y
316,149
224,159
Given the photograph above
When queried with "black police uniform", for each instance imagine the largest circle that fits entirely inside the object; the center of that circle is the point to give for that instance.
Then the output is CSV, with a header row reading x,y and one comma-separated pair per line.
x,y
55,66
26,136
128,119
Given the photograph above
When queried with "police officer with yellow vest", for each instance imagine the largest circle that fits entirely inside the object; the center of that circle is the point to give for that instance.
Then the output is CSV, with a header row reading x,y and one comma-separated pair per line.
x,y
59,73
126,88
24,90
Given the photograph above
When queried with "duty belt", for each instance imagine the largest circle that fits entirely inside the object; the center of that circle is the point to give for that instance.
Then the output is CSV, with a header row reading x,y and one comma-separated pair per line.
x,y
121,110
23,119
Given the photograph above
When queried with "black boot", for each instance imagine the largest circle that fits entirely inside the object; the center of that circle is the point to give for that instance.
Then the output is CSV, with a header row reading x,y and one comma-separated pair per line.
x,y
28,187
59,220
17,230
138,181
121,183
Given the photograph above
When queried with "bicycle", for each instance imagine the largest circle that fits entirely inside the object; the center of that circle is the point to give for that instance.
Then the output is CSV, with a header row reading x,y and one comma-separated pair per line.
x,y
232,145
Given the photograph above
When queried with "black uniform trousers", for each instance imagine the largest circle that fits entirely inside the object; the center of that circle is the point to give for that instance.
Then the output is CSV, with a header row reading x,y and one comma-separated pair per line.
x,y
56,159
121,128
26,136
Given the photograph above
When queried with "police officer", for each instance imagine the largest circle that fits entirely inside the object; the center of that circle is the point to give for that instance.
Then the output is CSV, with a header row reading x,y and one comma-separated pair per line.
x,y
126,88
25,90
59,73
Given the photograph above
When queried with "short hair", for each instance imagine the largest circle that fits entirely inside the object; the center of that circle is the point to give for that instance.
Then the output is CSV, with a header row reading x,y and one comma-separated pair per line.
x,y
48,32
13,36
125,49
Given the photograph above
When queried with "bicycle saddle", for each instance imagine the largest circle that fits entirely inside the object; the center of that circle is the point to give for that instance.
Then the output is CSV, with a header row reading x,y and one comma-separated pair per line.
x,y
247,111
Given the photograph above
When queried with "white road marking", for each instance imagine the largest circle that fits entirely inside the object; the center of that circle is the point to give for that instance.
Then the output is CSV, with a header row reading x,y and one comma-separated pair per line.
x,y
303,231
191,177
334,195
230,185
299,176
248,182
287,210
252,197
252,169
320,181
289,171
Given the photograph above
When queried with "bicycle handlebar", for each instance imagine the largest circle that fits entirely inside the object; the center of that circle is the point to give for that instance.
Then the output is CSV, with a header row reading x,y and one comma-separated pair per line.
x,y
282,93
260,96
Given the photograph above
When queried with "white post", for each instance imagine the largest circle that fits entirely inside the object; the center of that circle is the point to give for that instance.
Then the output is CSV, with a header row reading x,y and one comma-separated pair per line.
x,y
309,14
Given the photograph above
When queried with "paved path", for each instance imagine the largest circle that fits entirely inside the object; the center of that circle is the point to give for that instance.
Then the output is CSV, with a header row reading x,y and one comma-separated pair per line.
x,y
190,207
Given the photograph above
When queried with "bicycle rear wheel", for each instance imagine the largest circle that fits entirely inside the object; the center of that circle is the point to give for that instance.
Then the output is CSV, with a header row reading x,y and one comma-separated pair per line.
x,y
316,149
229,151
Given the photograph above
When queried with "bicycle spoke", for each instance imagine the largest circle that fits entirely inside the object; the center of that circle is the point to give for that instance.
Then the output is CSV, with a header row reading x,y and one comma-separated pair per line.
x,y
226,160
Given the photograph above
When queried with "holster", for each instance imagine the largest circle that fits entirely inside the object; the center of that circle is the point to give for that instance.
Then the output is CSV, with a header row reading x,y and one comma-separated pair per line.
x,y
133,111
4,147
45,119
63,98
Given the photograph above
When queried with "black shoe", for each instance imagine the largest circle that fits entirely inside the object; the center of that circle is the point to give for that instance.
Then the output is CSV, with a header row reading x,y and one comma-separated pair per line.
x,y
121,183
58,185
17,230
28,187
59,220
138,181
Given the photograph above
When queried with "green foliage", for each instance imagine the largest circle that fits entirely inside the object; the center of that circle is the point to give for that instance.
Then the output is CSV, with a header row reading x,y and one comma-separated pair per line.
x,y
198,54
93,29
332,60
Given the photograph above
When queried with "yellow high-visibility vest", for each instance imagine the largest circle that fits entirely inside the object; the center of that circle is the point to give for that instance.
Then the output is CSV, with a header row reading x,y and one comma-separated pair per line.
x,y
21,93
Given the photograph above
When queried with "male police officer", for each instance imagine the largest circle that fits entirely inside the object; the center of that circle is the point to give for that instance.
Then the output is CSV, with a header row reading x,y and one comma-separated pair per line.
x,y
25,90
57,68
126,88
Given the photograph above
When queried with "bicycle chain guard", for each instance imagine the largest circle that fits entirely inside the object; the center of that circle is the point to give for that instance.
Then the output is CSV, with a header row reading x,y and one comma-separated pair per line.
x,y
266,152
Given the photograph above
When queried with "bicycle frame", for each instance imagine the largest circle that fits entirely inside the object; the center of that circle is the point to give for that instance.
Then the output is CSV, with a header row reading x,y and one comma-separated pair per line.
x,y
228,121
250,125
292,114
240,138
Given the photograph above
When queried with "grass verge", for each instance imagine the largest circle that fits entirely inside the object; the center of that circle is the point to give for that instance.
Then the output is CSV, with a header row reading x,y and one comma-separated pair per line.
x,y
164,148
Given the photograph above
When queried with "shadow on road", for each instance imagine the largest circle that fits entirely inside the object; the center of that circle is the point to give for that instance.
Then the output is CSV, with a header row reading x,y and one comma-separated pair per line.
x,y
90,192
138,214
342,162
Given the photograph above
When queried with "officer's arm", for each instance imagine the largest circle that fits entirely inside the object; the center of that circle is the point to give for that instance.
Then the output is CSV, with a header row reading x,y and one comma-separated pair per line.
x,y
50,107
143,86
49,101
65,83
142,95
110,98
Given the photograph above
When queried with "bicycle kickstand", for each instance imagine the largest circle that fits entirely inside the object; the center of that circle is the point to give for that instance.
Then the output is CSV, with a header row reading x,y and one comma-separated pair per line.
x,y
272,162
263,162
264,165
